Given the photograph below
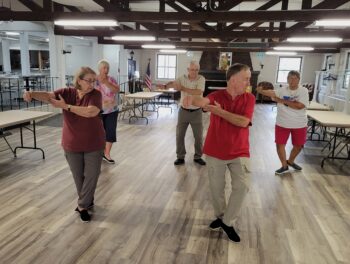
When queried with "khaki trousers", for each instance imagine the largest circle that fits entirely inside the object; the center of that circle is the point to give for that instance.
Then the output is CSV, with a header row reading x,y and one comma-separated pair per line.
x,y
240,181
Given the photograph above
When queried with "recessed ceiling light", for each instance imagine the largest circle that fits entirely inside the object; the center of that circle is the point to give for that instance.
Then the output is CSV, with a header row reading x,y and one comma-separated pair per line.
x,y
9,33
173,51
315,39
86,23
293,48
280,53
134,38
333,22
150,46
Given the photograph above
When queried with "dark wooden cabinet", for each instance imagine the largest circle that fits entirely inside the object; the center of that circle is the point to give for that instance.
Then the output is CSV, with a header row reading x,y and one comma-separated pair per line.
x,y
216,79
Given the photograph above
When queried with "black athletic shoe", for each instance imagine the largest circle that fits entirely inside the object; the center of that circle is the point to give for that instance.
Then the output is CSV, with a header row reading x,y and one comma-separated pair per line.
x,y
110,161
282,170
231,233
84,215
295,166
179,162
216,224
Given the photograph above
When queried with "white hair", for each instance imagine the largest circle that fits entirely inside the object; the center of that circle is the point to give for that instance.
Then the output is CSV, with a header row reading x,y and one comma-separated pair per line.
x,y
194,62
102,63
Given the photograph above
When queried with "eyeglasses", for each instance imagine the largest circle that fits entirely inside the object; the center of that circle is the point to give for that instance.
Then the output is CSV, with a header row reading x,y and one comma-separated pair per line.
x,y
90,81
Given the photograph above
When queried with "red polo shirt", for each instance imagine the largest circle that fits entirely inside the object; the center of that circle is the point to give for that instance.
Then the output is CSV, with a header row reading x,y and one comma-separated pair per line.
x,y
81,134
224,140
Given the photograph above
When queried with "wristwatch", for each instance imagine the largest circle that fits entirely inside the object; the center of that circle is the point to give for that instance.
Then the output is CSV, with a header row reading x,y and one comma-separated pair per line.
x,y
68,108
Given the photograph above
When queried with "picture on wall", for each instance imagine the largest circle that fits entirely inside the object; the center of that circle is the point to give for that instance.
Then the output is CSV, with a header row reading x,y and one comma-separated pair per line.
x,y
225,60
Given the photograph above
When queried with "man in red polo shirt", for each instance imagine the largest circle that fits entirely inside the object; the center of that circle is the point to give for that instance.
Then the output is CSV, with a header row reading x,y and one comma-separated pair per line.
x,y
227,145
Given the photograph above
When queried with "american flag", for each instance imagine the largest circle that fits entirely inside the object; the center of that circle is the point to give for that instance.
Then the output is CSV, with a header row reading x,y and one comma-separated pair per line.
x,y
148,80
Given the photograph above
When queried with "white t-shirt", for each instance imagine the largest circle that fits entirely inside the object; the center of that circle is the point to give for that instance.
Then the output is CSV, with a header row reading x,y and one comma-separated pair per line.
x,y
199,83
288,117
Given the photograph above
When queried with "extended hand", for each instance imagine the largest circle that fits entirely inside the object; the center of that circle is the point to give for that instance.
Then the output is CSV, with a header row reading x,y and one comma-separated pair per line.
x,y
27,97
58,103
215,108
177,86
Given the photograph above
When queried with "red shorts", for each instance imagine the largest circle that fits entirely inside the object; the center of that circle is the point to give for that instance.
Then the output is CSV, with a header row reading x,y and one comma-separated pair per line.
x,y
298,135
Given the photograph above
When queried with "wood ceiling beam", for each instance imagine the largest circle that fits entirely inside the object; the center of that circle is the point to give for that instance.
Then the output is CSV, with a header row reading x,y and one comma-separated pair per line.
x,y
47,5
192,7
229,4
240,49
327,4
204,34
31,5
222,44
107,6
266,6
232,16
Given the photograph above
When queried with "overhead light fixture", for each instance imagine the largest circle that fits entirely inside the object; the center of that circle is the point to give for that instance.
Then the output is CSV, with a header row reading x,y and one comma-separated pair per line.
x,y
86,23
291,53
293,48
9,33
134,38
180,51
315,39
8,38
160,46
333,22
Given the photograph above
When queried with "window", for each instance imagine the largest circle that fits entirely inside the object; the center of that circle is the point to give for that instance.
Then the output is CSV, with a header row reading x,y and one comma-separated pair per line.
x,y
166,66
347,72
285,65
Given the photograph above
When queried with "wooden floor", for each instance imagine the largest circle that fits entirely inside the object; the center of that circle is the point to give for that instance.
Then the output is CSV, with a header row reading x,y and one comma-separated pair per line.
x,y
149,211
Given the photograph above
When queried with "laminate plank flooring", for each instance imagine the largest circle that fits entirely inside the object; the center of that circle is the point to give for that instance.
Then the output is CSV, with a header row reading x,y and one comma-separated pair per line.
x,y
149,211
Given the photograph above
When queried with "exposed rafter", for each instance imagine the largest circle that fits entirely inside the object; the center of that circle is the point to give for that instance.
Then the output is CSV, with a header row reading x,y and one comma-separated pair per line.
x,y
233,16
186,23
204,34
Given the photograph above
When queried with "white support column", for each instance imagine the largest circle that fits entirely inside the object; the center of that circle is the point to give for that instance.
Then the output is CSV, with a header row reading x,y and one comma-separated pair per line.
x,y
347,99
25,63
97,54
6,61
57,59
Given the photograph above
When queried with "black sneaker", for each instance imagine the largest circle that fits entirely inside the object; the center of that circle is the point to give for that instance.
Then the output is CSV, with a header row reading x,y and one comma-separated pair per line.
x,y
216,224
200,161
84,215
282,170
110,161
179,161
231,233
295,166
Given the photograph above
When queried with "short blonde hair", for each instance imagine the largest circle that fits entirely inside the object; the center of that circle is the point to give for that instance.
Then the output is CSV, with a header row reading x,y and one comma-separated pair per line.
x,y
80,74
102,63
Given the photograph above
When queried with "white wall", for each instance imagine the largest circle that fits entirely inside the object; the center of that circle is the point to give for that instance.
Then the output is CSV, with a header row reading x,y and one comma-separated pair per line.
x,y
80,56
111,54
311,63
182,63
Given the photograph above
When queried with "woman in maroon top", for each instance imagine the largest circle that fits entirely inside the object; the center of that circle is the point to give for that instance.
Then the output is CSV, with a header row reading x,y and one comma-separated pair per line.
x,y
83,136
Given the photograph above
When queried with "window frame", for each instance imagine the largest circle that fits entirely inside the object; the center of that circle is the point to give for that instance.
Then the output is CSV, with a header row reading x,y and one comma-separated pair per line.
x,y
166,67
287,57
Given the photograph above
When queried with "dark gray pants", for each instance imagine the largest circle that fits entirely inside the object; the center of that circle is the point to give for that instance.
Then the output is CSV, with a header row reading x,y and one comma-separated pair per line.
x,y
86,168
184,119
